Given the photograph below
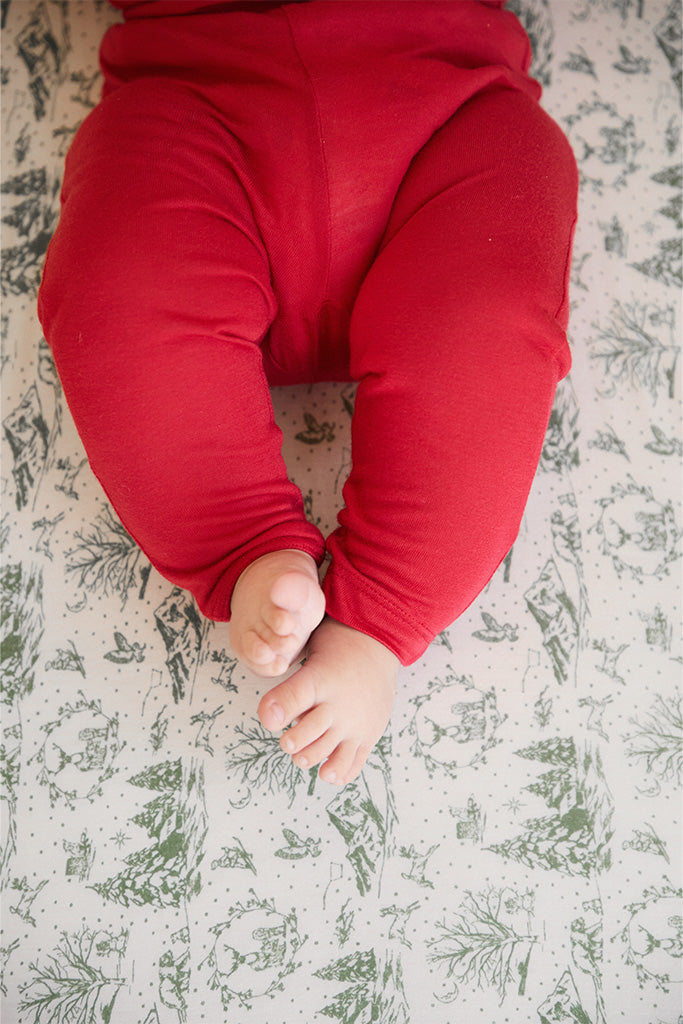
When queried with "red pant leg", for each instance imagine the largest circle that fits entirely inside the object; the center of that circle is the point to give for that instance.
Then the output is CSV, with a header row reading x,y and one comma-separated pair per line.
x,y
458,340
155,297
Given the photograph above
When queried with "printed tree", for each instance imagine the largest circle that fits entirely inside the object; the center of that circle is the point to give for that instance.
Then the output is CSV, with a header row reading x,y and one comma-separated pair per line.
x,y
574,839
639,346
21,622
165,872
72,986
107,559
665,265
262,763
479,945
656,740
374,993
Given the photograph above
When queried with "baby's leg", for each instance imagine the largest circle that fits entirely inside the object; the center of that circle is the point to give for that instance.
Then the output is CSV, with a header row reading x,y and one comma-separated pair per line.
x,y
155,299
458,339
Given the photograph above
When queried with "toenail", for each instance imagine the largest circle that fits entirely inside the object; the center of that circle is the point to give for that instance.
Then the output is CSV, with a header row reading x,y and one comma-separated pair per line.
x,y
330,777
302,762
288,744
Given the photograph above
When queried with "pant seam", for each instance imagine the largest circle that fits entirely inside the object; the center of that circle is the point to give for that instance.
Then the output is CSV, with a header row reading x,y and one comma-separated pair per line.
x,y
321,148
418,629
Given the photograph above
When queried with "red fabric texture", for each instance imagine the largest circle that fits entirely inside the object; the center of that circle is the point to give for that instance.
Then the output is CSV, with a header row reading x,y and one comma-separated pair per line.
x,y
317,191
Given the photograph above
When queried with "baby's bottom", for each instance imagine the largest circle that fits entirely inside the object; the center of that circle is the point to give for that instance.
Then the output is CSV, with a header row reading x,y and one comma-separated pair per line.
x,y
156,297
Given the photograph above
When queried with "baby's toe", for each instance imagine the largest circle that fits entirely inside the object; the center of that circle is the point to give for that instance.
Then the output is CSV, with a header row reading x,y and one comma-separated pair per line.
x,y
310,728
343,765
255,649
318,751
288,700
288,645
279,621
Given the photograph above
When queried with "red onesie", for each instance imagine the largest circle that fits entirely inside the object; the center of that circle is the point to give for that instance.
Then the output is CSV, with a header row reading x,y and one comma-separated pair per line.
x,y
271,193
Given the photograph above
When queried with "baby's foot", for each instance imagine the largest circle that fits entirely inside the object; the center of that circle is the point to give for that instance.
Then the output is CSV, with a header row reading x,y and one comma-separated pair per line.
x,y
340,701
276,603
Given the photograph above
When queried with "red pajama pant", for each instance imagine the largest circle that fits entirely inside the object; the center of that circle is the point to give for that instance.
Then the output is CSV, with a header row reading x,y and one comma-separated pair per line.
x,y
362,191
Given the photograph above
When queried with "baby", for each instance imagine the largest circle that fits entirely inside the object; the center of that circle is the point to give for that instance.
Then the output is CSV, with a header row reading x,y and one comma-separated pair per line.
x,y
334,190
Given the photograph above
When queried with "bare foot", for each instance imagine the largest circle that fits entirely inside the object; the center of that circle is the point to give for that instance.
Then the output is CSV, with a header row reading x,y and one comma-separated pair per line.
x,y
340,701
276,603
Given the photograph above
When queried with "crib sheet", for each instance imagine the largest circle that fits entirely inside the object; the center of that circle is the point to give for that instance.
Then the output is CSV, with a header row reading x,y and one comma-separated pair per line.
x,y
512,850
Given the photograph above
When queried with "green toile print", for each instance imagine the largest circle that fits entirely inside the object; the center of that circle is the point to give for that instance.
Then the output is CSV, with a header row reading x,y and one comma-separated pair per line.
x,y
76,984
235,857
364,814
454,724
666,265
106,559
561,443
374,992
418,864
345,923
67,660
488,942
165,873
646,840
254,952
9,781
297,848
605,144
655,742
206,721
28,433
174,974
80,751
586,935
563,1005
184,634
262,764
554,611
27,897
575,838
639,533
125,652
22,624
653,936
80,857
638,347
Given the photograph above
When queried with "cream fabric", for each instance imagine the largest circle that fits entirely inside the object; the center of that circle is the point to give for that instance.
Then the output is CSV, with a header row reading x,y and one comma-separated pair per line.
x,y
512,850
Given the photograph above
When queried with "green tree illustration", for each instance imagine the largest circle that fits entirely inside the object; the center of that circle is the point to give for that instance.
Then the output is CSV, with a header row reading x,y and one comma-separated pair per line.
x,y
70,989
656,741
479,945
166,777
106,558
262,763
575,838
374,993
672,176
167,871
666,265
21,629
638,346
555,750
552,786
